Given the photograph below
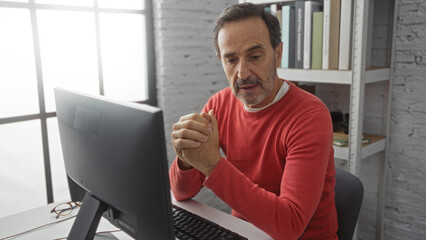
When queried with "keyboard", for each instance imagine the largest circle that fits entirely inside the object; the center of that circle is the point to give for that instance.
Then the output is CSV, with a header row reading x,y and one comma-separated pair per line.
x,y
189,226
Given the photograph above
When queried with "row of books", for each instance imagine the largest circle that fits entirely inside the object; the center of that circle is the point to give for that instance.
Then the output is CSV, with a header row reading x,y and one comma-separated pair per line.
x,y
315,34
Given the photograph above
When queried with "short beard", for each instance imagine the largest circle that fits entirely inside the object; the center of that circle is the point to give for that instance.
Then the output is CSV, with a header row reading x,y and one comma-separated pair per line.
x,y
267,86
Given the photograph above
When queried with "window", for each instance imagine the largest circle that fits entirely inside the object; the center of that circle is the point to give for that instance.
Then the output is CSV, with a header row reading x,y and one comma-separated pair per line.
x,y
93,46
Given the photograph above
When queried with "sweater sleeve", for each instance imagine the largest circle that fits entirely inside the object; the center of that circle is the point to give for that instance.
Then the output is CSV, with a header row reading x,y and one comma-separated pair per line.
x,y
285,216
184,184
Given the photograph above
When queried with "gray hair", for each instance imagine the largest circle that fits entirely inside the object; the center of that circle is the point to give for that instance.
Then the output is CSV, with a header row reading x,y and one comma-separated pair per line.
x,y
244,11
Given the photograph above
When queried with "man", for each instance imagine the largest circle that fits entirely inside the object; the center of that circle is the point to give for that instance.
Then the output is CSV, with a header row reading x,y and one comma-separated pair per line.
x,y
278,169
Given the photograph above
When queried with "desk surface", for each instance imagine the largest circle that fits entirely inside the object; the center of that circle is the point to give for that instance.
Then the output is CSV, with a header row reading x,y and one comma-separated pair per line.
x,y
24,221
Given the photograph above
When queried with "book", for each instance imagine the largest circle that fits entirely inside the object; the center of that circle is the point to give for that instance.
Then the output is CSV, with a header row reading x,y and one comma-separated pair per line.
x,y
287,36
274,9
299,31
370,28
310,8
330,49
317,32
279,16
343,143
267,8
345,34
342,139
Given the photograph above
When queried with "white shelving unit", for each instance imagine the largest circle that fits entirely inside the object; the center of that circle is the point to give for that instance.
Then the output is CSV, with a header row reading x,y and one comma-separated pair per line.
x,y
356,78
332,76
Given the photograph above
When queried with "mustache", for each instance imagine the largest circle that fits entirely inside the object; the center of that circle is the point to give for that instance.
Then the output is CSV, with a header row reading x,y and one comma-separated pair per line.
x,y
241,82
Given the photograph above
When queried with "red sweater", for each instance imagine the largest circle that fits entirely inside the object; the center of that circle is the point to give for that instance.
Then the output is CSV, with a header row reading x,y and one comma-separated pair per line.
x,y
278,172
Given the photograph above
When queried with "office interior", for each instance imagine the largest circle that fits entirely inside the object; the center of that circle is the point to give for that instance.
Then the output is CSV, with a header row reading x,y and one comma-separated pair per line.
x,y
161,53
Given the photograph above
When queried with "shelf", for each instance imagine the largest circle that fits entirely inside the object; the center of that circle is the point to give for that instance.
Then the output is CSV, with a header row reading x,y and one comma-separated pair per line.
x,y
377,75
356,78
315,76
331,76
377,144
267,1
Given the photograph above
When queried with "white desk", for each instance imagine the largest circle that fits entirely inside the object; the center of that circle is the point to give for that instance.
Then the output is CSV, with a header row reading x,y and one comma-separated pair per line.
x,y
24,221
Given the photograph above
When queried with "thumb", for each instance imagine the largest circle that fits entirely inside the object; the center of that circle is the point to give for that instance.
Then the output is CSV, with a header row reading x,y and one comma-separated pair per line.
x,y
213,119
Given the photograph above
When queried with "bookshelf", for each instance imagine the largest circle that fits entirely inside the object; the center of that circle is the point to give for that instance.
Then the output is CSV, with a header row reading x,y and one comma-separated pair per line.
x,y
332,76
357,78
377,144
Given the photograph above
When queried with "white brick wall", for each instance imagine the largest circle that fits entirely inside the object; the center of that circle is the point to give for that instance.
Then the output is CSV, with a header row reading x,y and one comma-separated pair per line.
x,y
406,189
188,73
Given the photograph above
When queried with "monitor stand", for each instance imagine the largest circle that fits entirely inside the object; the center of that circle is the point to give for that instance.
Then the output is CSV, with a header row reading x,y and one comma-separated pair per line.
x,y
106,236
88,219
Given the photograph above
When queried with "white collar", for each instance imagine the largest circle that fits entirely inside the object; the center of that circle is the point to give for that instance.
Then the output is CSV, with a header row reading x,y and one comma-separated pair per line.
x,y
283,90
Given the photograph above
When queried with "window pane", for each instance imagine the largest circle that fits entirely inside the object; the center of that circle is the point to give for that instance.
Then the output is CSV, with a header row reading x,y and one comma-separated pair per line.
x,y
22,180
124,56
68,52
122,4
80,3
59,177
18,82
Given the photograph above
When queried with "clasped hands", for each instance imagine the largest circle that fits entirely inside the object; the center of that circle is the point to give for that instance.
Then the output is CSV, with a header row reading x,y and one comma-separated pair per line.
x,y
195,139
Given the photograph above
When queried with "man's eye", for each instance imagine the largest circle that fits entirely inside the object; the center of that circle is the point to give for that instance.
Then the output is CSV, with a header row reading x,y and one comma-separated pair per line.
x,y
231,60
255,57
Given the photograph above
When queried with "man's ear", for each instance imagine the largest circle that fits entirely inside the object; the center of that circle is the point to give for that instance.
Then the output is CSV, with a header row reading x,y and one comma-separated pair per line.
x,y
278,54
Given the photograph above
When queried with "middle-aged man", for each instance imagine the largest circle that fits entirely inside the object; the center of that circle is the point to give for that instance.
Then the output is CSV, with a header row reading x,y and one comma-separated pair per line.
x,y
278,169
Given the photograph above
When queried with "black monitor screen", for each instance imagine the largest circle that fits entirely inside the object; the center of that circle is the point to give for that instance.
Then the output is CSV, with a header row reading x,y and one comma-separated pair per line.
x,y
115,158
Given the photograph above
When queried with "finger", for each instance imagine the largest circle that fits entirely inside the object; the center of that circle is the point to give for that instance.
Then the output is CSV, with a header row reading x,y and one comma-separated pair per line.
x,y
213,119
189,134
194,117
206,116
204,128
178,151
185,143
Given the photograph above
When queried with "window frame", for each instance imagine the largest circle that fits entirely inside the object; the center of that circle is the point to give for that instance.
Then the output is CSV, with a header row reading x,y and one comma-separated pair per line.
x,y
43,115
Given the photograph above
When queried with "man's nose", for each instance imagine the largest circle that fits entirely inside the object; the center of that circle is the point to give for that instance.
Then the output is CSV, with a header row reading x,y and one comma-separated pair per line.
x,y
243,69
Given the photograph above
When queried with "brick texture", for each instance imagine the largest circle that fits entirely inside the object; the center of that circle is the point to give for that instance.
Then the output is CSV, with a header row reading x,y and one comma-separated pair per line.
x,y
188,71
405,215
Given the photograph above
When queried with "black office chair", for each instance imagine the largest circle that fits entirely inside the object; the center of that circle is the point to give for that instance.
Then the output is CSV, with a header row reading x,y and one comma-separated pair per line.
x,y
349,193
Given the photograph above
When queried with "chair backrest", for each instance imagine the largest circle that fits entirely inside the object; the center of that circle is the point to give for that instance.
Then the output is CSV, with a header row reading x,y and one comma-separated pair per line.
x,y
349,193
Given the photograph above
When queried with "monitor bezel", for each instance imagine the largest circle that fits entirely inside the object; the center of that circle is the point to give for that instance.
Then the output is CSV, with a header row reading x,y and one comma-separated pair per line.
x,y
94,110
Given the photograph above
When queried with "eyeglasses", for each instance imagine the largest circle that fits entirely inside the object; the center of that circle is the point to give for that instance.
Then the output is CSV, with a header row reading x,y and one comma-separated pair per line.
x,y
65,209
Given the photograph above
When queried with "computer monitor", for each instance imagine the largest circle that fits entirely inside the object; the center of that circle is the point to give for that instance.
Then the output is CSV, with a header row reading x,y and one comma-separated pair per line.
x,y
115,160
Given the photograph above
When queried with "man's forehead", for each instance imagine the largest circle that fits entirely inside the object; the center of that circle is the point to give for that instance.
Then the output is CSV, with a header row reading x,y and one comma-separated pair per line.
x,y
243,35
246,49
253,25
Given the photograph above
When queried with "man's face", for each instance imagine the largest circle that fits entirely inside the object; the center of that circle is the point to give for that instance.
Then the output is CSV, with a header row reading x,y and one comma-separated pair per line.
x,y
249,61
